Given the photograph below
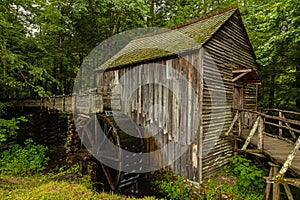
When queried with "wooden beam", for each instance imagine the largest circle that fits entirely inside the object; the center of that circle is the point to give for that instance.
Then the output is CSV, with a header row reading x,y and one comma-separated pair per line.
x,y
285,111
251,133
254,152
286,127
257,82
291,181
289,160
288,192
235,71
296,122
239,76
232,123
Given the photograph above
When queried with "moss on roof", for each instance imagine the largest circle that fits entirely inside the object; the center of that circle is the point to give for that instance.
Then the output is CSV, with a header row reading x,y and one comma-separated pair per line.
x,y
169,42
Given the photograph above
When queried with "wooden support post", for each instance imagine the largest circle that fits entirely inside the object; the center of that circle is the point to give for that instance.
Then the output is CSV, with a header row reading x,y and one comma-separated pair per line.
x,y
269,184
276,186
260,133
288,192
280,124
240,122
235,153
251,134
290,129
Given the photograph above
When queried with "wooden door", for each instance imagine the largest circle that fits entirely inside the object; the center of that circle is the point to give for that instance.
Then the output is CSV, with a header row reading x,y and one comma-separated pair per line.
x,y
238,97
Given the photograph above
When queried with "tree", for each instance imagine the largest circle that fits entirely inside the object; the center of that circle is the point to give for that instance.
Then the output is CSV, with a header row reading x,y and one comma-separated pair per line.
x,y
274,30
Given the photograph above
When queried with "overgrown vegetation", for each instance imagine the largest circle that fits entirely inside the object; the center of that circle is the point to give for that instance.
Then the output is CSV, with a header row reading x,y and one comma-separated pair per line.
x,y
66,185
24,160
240,179
249,176
172,185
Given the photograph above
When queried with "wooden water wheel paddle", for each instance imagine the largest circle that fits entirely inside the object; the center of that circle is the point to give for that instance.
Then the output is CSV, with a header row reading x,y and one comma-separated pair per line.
x,y
98,135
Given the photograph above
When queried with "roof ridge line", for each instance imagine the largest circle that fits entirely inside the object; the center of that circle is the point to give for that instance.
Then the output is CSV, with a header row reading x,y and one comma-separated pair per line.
x,y
187,23
204,17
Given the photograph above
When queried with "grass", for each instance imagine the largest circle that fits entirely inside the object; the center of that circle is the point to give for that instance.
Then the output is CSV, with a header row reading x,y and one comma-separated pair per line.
x,y
48,187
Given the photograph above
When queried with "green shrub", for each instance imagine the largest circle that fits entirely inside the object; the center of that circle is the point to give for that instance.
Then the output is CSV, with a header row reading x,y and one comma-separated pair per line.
x,y
249,177
173,186
9,127
27,160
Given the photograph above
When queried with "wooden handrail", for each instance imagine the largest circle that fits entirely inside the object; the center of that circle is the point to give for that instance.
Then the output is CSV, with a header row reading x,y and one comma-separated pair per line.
x,y
291,121
284,111
289,160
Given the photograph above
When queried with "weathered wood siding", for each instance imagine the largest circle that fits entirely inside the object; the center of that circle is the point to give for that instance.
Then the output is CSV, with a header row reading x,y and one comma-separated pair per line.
x,y
161,102
164,109
228,49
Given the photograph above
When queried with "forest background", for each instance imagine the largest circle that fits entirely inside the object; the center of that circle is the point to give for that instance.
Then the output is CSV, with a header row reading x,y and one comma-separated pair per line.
x,y
44,42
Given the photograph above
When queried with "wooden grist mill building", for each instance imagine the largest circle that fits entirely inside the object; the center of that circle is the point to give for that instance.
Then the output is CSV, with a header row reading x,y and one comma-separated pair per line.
x,y
180,87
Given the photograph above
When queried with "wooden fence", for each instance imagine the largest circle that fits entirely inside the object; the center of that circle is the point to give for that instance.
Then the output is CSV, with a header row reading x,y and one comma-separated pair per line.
x,y
80,103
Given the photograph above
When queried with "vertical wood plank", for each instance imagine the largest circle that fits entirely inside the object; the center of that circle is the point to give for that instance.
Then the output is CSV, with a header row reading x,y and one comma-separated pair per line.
x,y
260,133
280,124
240,122
200,127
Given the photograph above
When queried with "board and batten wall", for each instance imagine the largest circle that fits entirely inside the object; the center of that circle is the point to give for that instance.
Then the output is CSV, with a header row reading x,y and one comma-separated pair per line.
x,y
162,97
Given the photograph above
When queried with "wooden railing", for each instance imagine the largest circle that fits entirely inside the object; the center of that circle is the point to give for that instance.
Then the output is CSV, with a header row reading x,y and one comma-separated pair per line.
x,y
80,103
256,122
249,119
283,123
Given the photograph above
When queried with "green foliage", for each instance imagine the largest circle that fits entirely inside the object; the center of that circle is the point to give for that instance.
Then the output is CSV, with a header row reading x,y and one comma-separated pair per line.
x,y
249,177
42,44
19,160
8,128
240,179
173,186
274,30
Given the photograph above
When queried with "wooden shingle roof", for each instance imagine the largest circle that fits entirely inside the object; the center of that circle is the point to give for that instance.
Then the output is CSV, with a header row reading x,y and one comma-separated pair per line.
x,y
169,42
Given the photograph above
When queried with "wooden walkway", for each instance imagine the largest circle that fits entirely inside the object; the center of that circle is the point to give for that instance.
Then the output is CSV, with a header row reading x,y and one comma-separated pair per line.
x,y
250,127
277,149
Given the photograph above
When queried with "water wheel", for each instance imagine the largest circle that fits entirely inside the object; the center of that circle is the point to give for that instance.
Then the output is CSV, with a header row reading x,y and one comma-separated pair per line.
x,y
115,140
